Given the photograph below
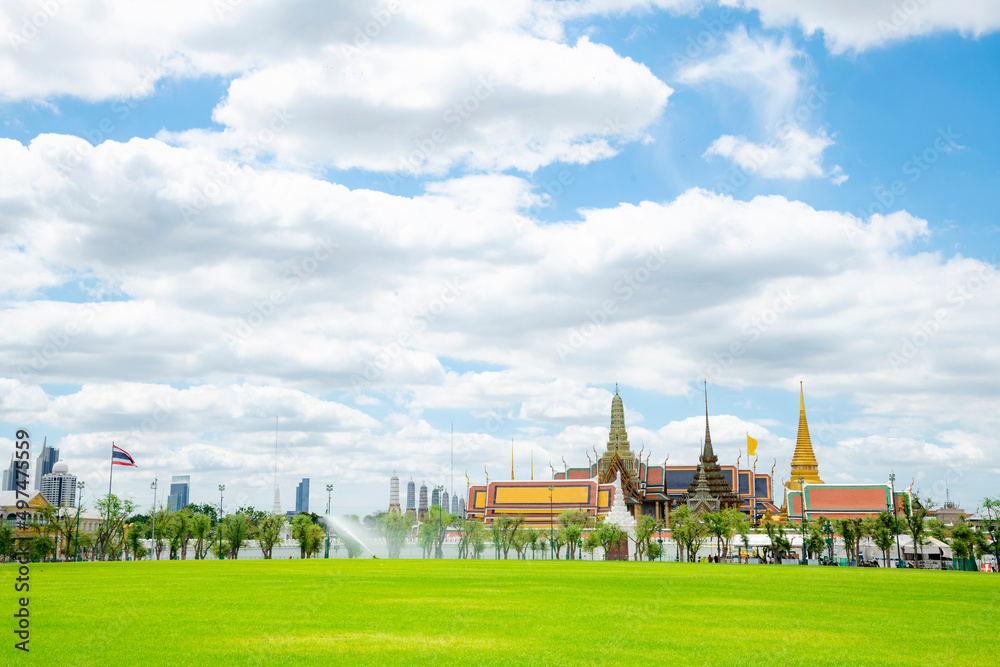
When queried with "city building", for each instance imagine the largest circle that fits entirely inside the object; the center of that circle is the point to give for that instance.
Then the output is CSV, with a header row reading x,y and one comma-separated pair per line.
x,y
59,486
445,500
454,505
302,496
46,460
436,497
180,493
10,476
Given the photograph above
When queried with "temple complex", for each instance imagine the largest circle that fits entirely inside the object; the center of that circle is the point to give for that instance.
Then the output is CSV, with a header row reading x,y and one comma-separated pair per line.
x,y
813,499
646,489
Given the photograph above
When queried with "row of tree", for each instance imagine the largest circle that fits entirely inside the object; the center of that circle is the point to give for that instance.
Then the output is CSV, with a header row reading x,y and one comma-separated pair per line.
x,y
195,529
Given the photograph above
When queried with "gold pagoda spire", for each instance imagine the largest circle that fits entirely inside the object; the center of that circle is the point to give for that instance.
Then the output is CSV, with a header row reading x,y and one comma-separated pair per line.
x,y
804,463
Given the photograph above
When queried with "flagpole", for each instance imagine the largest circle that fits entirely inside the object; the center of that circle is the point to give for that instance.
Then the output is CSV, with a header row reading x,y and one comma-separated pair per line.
x,y
111,476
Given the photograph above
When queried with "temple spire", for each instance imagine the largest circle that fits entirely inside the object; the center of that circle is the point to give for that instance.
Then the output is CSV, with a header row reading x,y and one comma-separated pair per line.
x,y
708,436
804,462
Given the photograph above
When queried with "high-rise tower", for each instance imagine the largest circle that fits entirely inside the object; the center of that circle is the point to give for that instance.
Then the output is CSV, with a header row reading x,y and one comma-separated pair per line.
x,y
804,463
394,493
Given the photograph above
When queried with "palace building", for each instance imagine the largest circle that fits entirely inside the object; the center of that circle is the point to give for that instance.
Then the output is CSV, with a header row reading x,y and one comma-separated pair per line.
x,y
647,489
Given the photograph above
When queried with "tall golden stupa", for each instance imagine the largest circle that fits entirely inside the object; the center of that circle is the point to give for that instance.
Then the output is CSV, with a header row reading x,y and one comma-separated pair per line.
x,y
804,463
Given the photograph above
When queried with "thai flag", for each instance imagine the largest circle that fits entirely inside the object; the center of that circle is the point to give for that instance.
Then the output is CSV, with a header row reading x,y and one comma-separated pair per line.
x,y
119,457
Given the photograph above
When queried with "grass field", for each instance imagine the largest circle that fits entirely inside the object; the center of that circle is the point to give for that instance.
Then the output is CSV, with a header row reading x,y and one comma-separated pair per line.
x,y
370,611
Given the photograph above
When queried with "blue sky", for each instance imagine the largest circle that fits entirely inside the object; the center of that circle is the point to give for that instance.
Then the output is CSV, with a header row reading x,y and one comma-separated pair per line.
x,y
269,243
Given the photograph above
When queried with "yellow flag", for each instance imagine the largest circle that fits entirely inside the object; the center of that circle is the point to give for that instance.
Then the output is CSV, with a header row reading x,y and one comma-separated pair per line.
x,y
751,445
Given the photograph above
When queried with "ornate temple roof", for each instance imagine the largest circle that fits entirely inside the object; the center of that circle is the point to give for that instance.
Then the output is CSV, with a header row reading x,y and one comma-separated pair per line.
x,y
708,465
803,460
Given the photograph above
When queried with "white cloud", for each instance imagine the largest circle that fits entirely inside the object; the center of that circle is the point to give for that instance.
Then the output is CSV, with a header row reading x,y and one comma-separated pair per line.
x,y
858,25
770,74
409,87
794,154
765,70
285,289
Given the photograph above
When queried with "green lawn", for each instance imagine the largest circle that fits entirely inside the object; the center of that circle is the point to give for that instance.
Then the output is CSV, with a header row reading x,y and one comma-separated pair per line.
x,y
508,612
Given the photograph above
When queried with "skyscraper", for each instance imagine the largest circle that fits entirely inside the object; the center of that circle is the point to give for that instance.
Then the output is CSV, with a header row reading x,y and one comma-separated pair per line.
x,y
411,498
46,460
302,496
10,476
180,493
59,487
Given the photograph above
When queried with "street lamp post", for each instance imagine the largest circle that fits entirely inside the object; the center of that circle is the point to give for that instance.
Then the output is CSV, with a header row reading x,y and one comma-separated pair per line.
x,y
152,534
660,540
802,520
552,537
579,546
895,516
329,492
222,488
79,501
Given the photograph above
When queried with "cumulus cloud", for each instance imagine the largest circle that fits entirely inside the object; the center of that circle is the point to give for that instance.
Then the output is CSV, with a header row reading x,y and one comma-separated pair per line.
x,y
771,75
413,87
858,25
288,294
794,154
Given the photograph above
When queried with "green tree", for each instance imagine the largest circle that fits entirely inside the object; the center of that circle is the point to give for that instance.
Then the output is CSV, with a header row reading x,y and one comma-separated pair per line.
x,y
989,524
133,540
571,524
504,530
161,530
300,531
962,542
201,525
268,533
7,541
644,531
845,528
439,520
236,532
40,547
111,531
779,543
610,535
882,537
394,527
688,531
937,530
591,542
915,515
471,532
